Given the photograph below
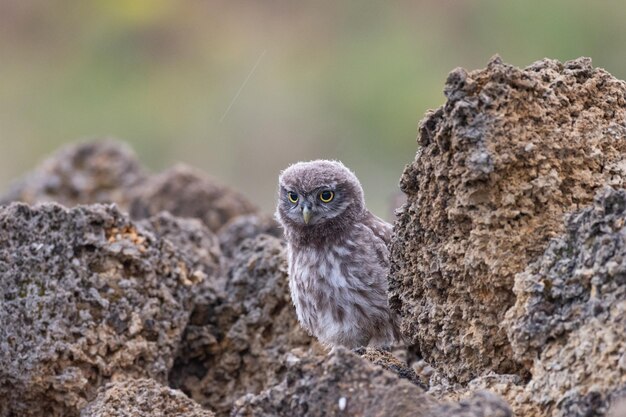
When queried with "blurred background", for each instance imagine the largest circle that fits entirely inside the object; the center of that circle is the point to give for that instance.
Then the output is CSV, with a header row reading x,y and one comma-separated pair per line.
x,y
241,89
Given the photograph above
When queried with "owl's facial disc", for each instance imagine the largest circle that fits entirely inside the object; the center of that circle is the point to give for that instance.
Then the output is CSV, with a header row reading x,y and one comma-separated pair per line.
x,y
312,207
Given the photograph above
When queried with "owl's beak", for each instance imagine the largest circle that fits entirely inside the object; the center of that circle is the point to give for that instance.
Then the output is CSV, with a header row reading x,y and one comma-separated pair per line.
x,y
306,214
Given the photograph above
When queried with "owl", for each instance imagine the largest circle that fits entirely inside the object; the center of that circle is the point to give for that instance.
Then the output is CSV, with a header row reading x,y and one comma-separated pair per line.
x,y
337,254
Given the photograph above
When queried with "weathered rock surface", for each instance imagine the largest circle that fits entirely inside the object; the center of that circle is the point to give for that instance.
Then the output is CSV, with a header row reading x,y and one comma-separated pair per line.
x,y
86,295
198,247
187,192
142,397
509,154
234,343
568,325
85,173
569,321
343,383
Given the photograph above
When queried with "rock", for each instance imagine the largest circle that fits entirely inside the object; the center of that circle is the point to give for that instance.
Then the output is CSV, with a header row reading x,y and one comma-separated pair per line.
x,y
508,155
344,384
569,321
568,324
142,397
86,296
234,342
198,246
109,172
94,172
187,192
341,383
241,228
480,404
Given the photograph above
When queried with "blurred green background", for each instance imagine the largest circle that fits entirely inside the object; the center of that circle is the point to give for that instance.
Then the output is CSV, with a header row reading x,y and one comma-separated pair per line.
x,y
347,80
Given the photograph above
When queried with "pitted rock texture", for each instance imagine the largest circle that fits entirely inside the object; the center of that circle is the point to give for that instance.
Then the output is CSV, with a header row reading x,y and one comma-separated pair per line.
x,y
95,172
504,159
569,321
234,343
142,397
85,295
198,247
188,192
345,384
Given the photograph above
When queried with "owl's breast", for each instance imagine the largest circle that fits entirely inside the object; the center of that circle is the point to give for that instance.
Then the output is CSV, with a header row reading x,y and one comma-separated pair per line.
x,y
335,289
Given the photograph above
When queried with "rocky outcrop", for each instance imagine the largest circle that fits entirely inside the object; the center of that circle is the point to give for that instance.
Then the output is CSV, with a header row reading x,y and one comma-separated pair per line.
x,y
87,295
233,345
198,247
187,192
95,172
504,159
569,322
142,397
343,383
108,172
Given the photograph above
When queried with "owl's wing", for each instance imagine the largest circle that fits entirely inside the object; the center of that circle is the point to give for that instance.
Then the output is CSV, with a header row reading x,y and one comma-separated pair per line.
x,y
381,228
382,236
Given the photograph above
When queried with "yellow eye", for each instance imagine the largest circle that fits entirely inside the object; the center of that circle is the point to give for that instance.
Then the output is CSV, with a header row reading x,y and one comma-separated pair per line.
x,y
293,197
327,196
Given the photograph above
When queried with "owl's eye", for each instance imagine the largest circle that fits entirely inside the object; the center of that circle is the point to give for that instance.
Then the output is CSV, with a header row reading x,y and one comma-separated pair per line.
x,y
293,197
327,196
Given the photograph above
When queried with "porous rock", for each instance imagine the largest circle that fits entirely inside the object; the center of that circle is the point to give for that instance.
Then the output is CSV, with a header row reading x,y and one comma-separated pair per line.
x,y
142,397
569,321
188,192
94,172
504,159
343,383
198,247
234,342
86,295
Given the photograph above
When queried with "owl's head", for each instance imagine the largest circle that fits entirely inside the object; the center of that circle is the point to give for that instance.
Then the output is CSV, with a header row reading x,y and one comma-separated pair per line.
x,y
317,193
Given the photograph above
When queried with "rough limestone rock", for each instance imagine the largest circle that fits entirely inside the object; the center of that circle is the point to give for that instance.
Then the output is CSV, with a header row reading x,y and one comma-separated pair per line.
x,y
343,383
86,295
85,173
504,159
188,192
142,397
569,321
234,342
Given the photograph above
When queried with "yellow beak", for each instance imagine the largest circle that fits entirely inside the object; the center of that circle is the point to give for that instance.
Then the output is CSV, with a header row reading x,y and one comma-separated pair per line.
x,y
306,215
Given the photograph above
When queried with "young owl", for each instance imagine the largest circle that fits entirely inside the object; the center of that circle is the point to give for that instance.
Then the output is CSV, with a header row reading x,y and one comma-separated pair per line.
x,y
338,256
